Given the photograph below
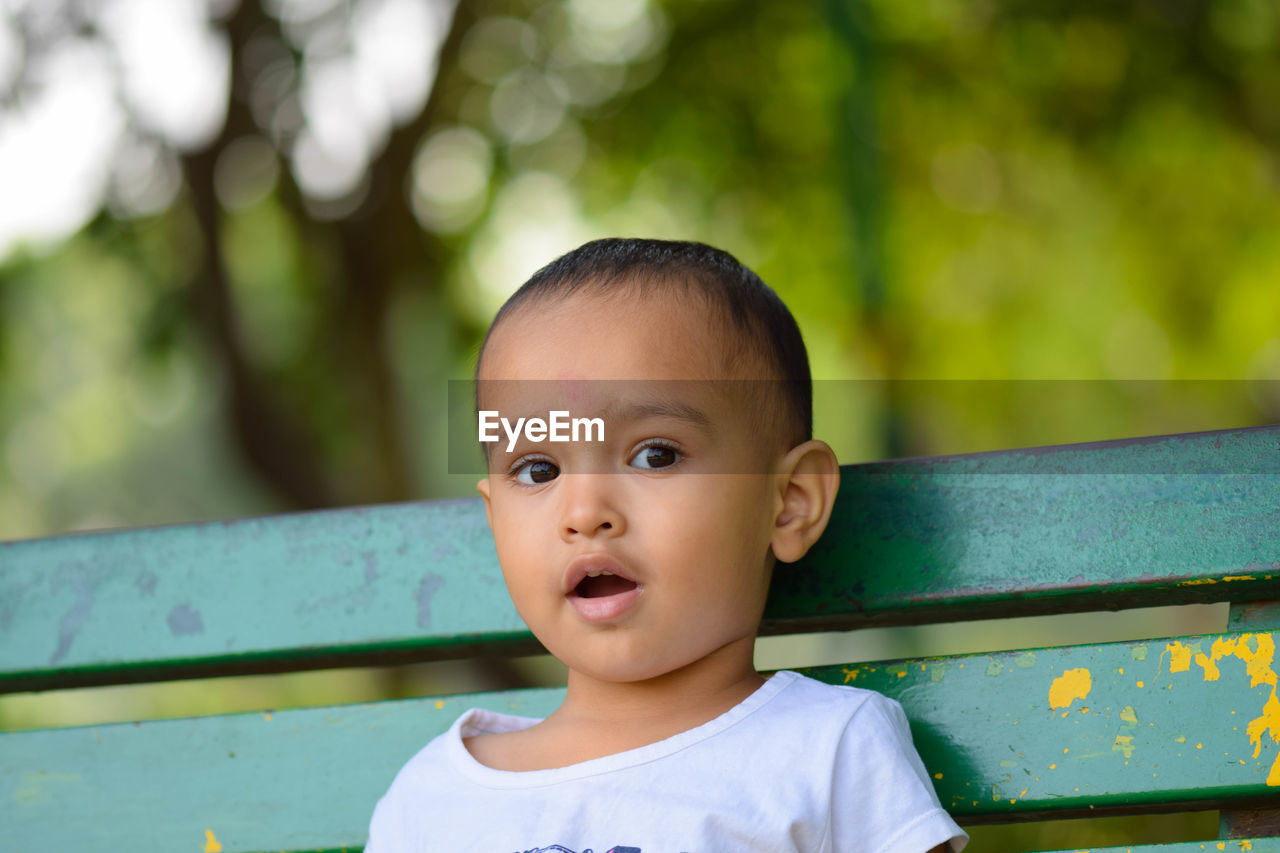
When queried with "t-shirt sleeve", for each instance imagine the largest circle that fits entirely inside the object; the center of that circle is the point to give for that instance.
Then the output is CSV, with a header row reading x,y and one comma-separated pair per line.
x,y
882,798
392,828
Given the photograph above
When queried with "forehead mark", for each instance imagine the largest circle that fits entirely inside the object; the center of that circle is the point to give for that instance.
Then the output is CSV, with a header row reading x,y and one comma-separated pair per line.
x,y
574,387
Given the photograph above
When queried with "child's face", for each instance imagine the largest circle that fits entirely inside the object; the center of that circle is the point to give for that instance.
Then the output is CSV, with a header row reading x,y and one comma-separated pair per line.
x,y
687,543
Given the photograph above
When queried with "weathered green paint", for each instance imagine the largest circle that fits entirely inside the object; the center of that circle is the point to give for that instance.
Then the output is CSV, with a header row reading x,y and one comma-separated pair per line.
x,y
1247,823
1080,527
1163,731
1181,518
292,780
233,596
1257,845
308,779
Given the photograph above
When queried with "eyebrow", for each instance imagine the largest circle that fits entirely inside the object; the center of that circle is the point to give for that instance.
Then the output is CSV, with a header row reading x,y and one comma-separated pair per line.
x,y
659,409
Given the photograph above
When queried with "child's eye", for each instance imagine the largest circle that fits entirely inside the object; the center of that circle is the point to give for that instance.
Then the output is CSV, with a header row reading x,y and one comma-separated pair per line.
x,y
535,472
654,456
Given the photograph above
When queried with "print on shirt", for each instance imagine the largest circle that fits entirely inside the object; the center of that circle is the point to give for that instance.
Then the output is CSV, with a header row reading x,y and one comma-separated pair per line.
x,y
557,848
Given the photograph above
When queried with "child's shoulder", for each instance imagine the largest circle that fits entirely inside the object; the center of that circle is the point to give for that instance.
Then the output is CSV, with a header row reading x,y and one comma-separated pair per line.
x,y
807,693
445,754
843,713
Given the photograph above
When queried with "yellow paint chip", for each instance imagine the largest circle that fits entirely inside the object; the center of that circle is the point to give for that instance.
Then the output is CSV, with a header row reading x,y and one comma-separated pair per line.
x,y
1129,715
211,844
849,675
1180,739
1246,845
1258,665
1071,685
1053,767
937,775
266,715
439,704
1140,684
1179,657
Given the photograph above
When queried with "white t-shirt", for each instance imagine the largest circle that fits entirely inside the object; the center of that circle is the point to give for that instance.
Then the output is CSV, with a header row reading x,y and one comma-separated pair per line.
x,y
797,766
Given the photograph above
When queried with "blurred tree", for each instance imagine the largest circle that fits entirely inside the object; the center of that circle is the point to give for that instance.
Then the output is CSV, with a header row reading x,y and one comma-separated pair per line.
x,y
244,244
332,196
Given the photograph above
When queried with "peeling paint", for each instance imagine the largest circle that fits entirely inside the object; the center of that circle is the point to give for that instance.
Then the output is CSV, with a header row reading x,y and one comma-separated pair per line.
x,y
1258,665
1179,657
1071,685
1129,715
1025,660
183,620
1138,652
431,583
75,617
1124,743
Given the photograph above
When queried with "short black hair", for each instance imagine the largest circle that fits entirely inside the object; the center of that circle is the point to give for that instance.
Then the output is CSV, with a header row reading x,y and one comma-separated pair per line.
x,y
764,325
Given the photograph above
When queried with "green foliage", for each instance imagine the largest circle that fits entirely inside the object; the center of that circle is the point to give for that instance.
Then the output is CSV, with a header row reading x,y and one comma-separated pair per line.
x,y
1083,192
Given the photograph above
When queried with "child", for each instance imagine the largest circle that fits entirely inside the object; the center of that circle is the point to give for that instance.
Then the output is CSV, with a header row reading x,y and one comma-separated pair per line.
x,y
641,559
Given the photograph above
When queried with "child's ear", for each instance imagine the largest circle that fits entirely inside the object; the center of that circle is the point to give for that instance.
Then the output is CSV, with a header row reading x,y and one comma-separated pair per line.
x,y
807,483
483,488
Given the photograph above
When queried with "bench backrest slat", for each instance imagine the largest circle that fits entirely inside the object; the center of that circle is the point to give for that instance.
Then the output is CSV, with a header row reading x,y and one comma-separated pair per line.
x,y
1126,523
1158,732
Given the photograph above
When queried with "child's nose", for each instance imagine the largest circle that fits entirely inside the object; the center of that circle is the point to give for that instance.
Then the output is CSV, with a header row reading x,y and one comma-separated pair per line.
x,y
589,509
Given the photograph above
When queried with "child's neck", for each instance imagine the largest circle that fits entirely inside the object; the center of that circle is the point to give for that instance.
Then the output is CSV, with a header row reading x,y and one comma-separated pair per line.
x,y
600,718
634,713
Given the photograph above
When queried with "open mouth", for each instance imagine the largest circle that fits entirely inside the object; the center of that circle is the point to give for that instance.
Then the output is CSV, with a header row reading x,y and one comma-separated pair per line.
x,y
602,585
598,590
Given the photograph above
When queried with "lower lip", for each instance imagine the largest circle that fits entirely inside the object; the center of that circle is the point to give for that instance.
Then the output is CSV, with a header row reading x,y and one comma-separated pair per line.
x,y
606,607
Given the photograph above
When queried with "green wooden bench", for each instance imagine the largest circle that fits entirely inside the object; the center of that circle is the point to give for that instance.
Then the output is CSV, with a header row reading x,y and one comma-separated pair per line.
x,y
1162,724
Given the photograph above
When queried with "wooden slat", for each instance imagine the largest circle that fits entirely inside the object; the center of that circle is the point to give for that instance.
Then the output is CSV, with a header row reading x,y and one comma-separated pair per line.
x,y
1256,845
291,781
351,586
1118,524
1153,725
1110,525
